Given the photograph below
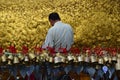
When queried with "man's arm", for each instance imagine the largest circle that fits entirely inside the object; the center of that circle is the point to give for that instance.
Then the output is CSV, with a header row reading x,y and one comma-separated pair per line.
x,y
49,40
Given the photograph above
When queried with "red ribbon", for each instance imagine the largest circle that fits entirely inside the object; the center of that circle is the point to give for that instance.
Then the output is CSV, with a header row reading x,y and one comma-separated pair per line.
x,y
113,51
12,49
84,49
25,49
51,50
98,51
75,50
38,49
63,50
118,50
1,50
88,51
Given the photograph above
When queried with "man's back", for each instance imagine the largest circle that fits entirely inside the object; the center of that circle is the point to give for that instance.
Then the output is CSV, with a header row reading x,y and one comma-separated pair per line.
x,y
61,35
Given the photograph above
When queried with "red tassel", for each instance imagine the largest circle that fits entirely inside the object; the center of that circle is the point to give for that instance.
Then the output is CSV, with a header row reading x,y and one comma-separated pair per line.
x,y
24,49
1,50
12,49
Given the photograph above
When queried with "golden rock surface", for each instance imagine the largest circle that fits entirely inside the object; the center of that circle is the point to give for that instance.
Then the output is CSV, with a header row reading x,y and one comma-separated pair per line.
x,y
95,22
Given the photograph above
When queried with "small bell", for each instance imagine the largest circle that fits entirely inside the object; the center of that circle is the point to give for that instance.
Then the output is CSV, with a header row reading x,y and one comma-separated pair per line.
x,y
114,58
80,58
16,60
100,61
93,58
70,57
10,57
110,59
117,66
42,57
26,58
63,59
118,55
86,58
37,59
21,57
4,58
45,54
106,58
31,55
75,59
50,59
57,58
9,62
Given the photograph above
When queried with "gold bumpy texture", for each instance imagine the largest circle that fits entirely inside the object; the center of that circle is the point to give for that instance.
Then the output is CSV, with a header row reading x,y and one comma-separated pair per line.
x,y
95,22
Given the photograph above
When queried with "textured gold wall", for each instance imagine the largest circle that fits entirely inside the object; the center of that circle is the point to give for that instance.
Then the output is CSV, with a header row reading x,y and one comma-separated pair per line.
x,y
95,22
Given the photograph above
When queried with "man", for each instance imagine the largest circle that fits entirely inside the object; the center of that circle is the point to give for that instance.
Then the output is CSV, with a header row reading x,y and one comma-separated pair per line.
x,y
59,35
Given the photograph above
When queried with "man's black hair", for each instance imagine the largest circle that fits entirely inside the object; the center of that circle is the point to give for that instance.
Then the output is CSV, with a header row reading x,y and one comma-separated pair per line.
x,y
54,16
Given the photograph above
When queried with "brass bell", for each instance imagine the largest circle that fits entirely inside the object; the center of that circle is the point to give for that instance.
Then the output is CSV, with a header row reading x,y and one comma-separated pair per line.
x,y
70,57
37,59
50,59
26,58
86,58
31,55
4,58
105,58
93,58
110,59
16,60
21,57
114,58
57,59
63,59
10,57
100,61
9,62
42,58
75,59
45,54
118,55
80,58
57,54
117,66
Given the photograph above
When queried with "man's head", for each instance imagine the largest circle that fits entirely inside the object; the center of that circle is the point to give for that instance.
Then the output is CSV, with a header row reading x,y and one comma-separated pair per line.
x,y
54,17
